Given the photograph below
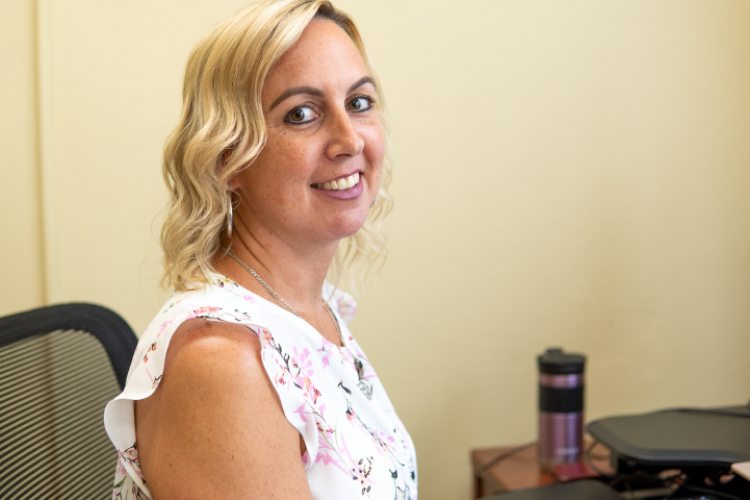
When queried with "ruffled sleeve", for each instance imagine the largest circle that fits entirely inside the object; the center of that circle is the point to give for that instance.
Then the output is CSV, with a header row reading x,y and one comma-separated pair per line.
x,y
283,359
147,367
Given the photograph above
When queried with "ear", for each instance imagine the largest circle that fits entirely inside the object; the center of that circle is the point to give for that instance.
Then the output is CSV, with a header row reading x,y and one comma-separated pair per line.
x,y
234,182
225,156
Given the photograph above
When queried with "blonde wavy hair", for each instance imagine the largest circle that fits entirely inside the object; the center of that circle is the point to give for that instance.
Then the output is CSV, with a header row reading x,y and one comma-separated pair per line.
x,y
222,129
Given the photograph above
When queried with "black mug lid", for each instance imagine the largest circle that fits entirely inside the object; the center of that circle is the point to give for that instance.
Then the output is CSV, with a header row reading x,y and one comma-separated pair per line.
x,y
557,362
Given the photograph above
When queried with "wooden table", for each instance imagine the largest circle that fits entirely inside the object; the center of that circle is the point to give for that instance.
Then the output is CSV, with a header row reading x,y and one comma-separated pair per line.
x,y
518,471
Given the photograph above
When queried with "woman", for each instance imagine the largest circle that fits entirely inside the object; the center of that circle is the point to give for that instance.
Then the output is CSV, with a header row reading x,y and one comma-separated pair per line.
x,y
263,393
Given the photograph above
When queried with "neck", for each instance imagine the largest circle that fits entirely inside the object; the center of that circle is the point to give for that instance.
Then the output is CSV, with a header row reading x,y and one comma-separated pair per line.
x,y
294,271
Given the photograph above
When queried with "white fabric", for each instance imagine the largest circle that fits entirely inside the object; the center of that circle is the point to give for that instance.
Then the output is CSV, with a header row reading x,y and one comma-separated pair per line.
x,y
356,445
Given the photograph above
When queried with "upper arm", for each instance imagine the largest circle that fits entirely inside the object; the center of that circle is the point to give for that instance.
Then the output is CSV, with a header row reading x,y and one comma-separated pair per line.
x,y
215,427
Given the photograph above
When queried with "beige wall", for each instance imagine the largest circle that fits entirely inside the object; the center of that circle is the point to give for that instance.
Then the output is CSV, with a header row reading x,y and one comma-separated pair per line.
x,y
21,270
567,173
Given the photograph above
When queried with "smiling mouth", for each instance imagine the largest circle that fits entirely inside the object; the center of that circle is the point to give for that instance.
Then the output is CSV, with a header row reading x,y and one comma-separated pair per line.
x,y
341,184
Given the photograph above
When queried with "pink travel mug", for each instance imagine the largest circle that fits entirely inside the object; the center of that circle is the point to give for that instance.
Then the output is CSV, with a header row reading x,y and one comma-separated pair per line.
x,y
560,408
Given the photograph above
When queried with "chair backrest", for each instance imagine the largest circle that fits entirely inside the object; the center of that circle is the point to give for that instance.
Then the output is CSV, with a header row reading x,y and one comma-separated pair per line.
x,y
59,366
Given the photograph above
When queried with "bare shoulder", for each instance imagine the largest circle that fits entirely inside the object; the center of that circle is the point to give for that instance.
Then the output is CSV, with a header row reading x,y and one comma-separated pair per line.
x,y
215,427
210,349
210,357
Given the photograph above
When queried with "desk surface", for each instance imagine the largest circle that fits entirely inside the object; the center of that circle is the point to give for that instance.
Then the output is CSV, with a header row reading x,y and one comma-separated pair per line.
x,y
521,470
517,471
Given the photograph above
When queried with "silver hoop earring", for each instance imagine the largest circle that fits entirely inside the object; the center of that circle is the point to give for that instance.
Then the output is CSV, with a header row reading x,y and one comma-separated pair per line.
x,y
229,215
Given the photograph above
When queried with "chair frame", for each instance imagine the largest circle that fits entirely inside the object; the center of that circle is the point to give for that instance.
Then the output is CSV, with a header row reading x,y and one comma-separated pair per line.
x,y
107,326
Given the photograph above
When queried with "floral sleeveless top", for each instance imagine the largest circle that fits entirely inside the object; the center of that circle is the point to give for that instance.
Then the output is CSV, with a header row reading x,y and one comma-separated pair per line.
x,y
356,445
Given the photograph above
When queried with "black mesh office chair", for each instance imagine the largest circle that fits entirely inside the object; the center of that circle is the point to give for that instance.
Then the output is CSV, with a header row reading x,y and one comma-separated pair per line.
x,y
59,366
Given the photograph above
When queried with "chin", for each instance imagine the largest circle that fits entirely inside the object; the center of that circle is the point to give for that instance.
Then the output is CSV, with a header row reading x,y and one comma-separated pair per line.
x,y
345,232
346,227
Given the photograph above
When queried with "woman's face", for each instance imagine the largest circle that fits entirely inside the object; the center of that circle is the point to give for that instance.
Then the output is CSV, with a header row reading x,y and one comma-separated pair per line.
x,y
324,136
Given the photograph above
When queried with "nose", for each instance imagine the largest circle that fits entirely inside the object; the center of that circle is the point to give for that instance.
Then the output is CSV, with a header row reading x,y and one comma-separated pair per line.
x,y
344,138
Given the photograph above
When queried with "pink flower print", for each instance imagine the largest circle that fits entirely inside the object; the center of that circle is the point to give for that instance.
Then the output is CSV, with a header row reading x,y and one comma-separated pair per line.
x,y
249,298
350,413
316,394
131,455
154,381
164,327
305,363
326,359
301,411
345,355
295,367
328,430
266,336
152,348
205,310
306,384
328,458
381,438
280,378
325,458
301,370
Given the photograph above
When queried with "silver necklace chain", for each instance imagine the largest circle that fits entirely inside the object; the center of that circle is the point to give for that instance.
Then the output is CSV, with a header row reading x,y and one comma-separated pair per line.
x,y
276,295
335,321
265,285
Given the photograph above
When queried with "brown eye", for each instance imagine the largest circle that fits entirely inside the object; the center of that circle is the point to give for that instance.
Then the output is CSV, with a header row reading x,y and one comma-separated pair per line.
x,y
360,104
300,115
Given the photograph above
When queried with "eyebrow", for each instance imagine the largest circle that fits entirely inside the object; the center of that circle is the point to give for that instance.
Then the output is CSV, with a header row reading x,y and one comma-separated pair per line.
x,y
313,91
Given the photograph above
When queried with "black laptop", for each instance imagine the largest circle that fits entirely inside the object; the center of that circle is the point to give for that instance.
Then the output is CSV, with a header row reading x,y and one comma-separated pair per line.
x,y
679,438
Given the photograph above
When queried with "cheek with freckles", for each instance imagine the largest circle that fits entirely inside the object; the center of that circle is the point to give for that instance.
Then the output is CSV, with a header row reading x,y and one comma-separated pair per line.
x,y
284,168
375,152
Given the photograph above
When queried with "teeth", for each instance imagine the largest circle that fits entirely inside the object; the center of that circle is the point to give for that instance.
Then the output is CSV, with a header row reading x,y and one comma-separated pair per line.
x,y
340,184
